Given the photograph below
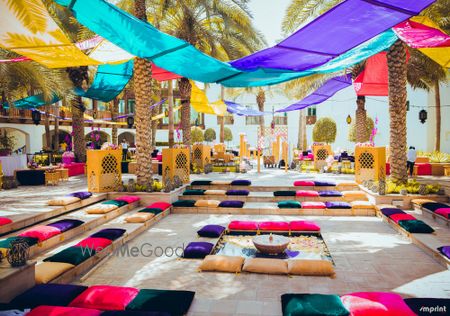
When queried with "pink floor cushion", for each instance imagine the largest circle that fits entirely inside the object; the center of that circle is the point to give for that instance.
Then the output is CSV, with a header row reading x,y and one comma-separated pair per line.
x,y
243,225
97,243
376,304
440,211
313,205
303,183
5,221
274,226
105,297
128,198
46,310
402,217
41,232
161,205
304,226
75,168
307,193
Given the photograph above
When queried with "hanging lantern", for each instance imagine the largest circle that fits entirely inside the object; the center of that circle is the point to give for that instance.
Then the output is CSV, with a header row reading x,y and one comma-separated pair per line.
x,y
423,116
36,117
349,119
19,252
130,121
272,125
166,113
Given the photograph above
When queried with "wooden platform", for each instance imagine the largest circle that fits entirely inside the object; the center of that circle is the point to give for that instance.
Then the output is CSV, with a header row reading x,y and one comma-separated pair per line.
x,y
14,281
259,188
262,197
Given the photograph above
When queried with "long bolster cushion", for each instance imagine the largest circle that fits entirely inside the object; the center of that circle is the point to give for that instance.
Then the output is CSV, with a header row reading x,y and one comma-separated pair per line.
x,y
97,243
284,193
66,224
63,310
82,195
445,250
337,205
238,192
243,225
139,217
324,184
161,205
72,255
391,211
303,183
220,263
41,232
109,233
307,193
311,267
215,192
304,226
128,198
48,271
330,193
313,205
201,182
5,221
62,201
194,192
289,204
162,301
445,212
232,204
105,297
197,250
101,208
118,203
402,217
241,182
265,265
184,203
416,227
312,305
375,304
433,206
273,226
211,231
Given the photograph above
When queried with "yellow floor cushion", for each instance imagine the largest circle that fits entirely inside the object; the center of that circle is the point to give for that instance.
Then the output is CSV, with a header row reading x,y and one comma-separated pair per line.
x,y
346,185
221,182
207,203
48,271
310,267
265,265
222,263
421,201
139,217
215,192
62,201
100,208
362,204
354,195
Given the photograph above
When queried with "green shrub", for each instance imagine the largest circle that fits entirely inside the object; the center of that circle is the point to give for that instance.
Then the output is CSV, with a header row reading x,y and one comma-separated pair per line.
x,y
210,135
196,135
324,130
368,131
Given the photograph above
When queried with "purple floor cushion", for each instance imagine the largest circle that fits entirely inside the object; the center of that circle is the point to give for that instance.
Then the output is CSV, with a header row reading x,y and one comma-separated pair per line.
x,y
197,250
338,205
231,203
391,211
211,231
445,250
48,294
324,184
171,301
82,195
109,233
330,193
66,224
241,182
237,192
433,206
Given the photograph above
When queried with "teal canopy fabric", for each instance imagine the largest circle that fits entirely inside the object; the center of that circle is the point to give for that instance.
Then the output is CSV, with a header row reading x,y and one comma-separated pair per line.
x,y
34,101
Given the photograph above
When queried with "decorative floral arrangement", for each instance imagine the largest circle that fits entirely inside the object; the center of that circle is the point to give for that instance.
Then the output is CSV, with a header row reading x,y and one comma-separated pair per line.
x,y
110,146
33,165
364,145
68,154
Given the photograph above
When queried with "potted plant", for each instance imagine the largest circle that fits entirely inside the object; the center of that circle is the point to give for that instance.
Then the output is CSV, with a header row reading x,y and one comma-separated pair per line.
x,y
7,143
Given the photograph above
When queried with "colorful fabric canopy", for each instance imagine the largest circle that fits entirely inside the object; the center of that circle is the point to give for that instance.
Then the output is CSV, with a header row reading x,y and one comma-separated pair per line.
x,y
373,80
241,110
200,102
326,91
417,35
338,30
34,101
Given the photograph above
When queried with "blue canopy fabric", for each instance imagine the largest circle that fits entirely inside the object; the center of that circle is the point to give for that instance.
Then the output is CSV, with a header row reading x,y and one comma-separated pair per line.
x,y
241,110
326,91
34,101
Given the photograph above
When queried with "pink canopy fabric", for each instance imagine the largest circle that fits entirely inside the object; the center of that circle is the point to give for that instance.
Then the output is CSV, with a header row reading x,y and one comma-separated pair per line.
x,y
417,35
162,74
373,80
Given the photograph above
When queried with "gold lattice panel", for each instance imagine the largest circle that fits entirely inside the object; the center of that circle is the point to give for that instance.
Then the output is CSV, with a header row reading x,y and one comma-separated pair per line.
x,y
270,137
370,163
104,170
201,155
176,162
321,152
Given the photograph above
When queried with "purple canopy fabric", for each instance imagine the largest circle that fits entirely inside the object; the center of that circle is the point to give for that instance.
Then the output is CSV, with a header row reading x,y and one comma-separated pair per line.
x,y
333,33
326,91
241,110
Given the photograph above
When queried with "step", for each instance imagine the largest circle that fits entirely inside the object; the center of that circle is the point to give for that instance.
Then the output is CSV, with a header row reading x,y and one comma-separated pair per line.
x,y
262,197
259,188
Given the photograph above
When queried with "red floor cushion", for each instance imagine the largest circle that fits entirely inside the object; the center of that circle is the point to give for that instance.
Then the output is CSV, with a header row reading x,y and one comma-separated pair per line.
x,y
105,297
445,211
402,217
41,232
304,226
97,243
376,304
303,183
45,310
313,205
274,226
423,169
161,205
75,168
307,193
243,225
128,198
4,221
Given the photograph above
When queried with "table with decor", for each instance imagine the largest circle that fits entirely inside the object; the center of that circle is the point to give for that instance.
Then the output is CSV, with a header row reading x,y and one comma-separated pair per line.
x,y
11,163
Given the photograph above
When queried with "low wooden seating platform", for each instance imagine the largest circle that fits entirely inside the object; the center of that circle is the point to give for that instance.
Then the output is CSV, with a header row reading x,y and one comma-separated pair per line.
x,y
438,211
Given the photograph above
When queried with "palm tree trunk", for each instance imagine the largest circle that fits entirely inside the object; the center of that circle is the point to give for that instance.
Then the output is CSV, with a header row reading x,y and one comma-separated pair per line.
x,y
260,100
300,130
185,94
437,96
170,113
396,59
48,136
56,130
361,118
142,92
79,145
222,118
155,111
114,129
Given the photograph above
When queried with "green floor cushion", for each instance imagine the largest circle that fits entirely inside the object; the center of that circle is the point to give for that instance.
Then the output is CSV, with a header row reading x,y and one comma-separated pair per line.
x,y
165,301
312,305
201,182
72,255
6,243
155,211
284,193
184,203
115,202
416,227
289,204
194,192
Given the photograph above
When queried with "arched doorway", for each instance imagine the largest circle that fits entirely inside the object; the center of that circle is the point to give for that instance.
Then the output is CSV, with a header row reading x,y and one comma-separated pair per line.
x,y
14,140
130,137
95,139
63,138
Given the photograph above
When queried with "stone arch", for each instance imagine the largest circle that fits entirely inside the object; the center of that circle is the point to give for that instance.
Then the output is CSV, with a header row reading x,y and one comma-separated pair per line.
x,y
22,138
130,137
98,142
62,135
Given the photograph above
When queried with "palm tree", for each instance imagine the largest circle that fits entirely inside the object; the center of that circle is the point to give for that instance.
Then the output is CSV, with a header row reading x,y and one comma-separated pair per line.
x,y
114,112
260,100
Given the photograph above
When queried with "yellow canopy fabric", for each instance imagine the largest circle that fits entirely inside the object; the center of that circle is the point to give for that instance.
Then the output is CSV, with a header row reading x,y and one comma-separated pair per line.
x,y
200,102
162,115
29,30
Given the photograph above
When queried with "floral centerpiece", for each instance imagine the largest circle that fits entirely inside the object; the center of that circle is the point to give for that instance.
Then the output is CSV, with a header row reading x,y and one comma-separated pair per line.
x,y
110,146
68,157
33,165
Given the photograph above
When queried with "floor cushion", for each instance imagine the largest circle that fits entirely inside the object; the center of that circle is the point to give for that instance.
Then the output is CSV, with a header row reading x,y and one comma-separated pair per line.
x,y
184,203
5,221
445,250
209,203
445,212
265,265
376,304
391,211
139,217
134,313
62,201
170,301
47,310
154,211
48,271
303,183
346,184
273,226
307,193
105,297
201,182
324,184
100,208
241,182
41,232
401,217
243,225
72,255
354,195
161,205
238,192
432,206
118,203
416,227
330,193
416,305
219,263
48,294
313,205
82,195
362,204
6,243
337,205
211,231
97,243
202,203
109,233
128,198
221,182
215,192
232,204
312,305
289,204
311,267
194,192
305,226
66,224
421,201
284,193
197,250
